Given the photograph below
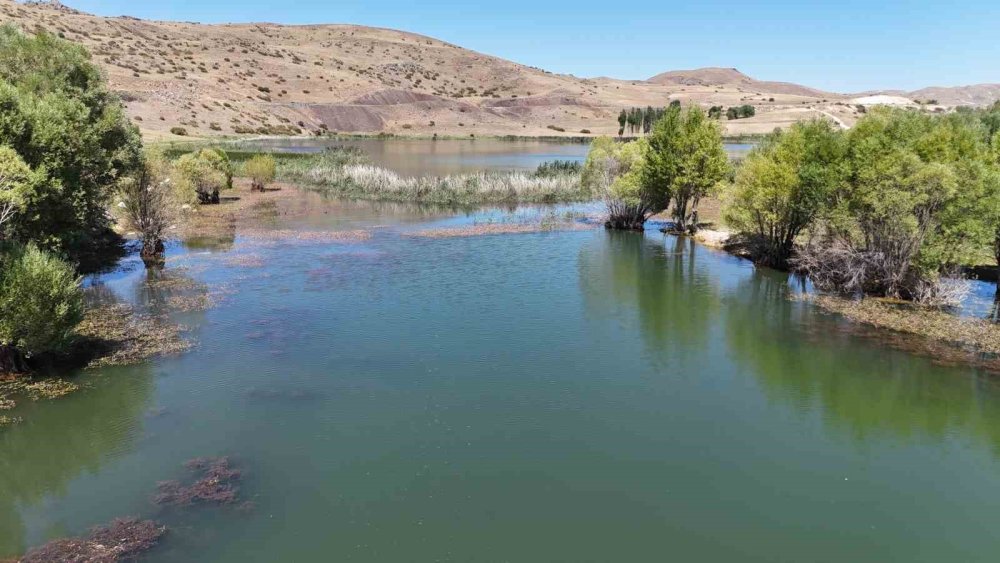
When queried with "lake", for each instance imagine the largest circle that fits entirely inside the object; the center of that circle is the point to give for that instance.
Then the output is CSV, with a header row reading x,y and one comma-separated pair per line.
x,y
571,395
426,157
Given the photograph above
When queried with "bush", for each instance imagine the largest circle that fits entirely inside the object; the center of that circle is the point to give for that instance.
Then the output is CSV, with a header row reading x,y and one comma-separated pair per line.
x,y
915,199
261,170
60,117
40,304
614,171
202,174
783,187
147,208
18,185
179,131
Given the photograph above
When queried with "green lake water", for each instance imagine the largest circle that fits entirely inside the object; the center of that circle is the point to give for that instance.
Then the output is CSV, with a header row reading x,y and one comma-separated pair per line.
x,y
555,396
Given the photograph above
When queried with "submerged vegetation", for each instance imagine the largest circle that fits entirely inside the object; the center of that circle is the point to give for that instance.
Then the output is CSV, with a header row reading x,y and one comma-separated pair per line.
x,y
122,540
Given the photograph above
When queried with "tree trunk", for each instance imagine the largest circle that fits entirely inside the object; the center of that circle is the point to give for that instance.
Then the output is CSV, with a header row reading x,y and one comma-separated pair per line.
x,y
152,252
995,310
996,246
12,360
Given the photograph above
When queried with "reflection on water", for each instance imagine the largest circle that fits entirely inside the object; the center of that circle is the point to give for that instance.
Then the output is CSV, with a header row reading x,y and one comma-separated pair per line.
x,y
589,393
64,439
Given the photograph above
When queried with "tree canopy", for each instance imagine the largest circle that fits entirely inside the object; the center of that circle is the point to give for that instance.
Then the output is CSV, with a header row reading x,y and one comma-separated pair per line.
x,y
58,115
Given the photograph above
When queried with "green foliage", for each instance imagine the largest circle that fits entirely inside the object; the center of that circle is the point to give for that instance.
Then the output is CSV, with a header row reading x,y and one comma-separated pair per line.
x,y
202,174
40,300
740,112
558,168
686,159
638,119
783,187
261,170
614,170
57,113
915,183
147,204
19,184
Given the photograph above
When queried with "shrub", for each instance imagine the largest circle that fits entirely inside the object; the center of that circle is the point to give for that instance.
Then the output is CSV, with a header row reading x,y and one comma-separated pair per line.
x,y
40,304
783,187
614,171
915,191
261,170
201,175
18,184
147,206
179,131
60,117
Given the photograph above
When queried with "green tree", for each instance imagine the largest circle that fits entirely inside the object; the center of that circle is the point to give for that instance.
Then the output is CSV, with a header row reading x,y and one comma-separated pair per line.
x,y
686,159
614,170
147,206
911,205
622,119
40,305
201,175
784,186
57,113
261,170
18,185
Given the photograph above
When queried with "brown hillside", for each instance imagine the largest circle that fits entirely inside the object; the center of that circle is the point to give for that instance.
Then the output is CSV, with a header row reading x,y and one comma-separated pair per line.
x,y
263,78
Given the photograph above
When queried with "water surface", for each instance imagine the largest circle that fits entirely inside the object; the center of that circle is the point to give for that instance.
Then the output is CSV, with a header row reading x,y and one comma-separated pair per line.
x,y
427,157
572,396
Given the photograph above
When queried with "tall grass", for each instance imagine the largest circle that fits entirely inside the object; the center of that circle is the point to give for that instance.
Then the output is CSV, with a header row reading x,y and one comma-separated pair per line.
x,y
345,174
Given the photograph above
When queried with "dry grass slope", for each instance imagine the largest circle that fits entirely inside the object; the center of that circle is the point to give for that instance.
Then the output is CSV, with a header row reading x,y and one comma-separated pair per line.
x,y
262,78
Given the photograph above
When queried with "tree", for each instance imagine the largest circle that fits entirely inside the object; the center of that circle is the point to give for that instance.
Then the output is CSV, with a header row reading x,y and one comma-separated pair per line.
x,y
622,119
261,170
909,206
146,199
784,186
647,119
40,305
57,114
686,159
201,175
614,170
715,112
18,185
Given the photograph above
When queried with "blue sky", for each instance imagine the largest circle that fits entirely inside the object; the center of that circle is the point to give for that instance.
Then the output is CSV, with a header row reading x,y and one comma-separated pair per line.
x,y
843,46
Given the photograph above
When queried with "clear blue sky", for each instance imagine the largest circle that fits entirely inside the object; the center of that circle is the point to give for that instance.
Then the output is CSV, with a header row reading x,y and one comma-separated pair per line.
x,y
843,46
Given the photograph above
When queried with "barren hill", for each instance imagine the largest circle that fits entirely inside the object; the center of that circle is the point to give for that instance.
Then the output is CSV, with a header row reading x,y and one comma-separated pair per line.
x,y
266,78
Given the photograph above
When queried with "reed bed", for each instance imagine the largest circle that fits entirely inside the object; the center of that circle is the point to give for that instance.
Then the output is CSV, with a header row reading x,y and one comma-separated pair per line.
x,y
340,175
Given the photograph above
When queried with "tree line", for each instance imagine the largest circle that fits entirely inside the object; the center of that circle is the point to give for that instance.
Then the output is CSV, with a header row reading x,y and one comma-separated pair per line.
x,y
733,112
638,120
885,208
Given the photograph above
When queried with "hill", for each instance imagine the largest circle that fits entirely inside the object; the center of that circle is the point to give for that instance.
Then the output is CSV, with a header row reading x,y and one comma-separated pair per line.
x,y
263,78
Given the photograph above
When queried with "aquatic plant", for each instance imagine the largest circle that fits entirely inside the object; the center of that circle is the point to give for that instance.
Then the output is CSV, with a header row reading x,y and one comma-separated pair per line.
x,y
373,182
120,540
217,483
